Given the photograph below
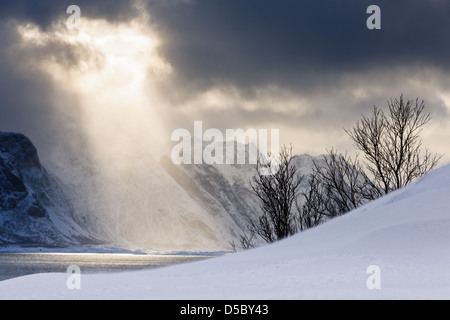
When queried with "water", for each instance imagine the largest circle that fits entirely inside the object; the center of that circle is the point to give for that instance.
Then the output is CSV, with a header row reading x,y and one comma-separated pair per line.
x,y
19,264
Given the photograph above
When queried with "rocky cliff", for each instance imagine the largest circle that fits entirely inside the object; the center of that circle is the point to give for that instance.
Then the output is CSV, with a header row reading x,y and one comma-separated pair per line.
x,y
34,209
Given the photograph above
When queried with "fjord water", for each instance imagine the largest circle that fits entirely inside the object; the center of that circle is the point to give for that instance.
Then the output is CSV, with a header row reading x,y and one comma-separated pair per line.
x,y
19,264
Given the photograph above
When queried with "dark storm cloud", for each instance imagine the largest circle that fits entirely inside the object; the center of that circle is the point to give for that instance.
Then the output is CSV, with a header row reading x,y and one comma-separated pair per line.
x,y
30,102
44,12
320,52
15,107
297,44
25,94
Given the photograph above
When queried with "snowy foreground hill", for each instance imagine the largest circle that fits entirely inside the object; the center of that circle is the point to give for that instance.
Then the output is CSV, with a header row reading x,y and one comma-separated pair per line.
x,y
396,247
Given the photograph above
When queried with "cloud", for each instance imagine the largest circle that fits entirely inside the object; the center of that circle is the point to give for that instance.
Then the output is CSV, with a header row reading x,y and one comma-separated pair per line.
x,y
44,13
303,67
300,66
33,102
296,44
25,104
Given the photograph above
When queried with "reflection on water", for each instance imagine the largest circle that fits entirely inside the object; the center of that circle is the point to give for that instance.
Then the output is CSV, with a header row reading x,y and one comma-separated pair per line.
x,y
18,264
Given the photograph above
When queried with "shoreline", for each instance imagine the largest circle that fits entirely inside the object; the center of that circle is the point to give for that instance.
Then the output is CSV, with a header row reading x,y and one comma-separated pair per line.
x,y
110,249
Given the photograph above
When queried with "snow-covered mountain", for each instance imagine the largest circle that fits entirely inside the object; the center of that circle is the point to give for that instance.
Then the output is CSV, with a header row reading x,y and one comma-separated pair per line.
x,y
137,205
34,210
141,202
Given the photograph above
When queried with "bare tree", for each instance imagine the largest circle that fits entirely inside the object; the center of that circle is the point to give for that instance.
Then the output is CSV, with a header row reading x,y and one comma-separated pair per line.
x,y
313,209
278,193
247,240
337,186
391,143
392,147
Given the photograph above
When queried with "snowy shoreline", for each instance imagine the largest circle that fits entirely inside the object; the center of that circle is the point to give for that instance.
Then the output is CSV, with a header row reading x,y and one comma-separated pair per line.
x,y
109,249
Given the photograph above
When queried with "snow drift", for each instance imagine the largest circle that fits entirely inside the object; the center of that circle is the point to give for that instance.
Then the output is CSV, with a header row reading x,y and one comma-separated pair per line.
x,y
405,234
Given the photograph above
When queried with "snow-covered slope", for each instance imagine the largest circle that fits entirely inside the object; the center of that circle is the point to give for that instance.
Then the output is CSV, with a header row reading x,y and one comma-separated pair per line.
x,y
404,234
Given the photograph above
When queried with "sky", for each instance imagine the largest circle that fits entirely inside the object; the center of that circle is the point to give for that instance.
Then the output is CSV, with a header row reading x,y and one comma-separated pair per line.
x,y
135,71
